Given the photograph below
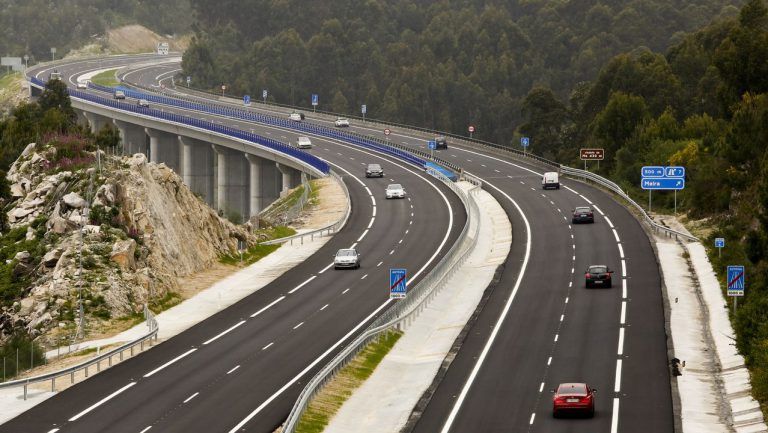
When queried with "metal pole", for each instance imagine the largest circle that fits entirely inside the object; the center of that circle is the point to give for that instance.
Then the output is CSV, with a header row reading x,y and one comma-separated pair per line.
x,y
735,304
17,362
585,165
649,201
719,252
675,202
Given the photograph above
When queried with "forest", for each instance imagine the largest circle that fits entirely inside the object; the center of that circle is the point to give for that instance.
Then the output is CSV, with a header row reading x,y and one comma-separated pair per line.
x,y
33,27
651,82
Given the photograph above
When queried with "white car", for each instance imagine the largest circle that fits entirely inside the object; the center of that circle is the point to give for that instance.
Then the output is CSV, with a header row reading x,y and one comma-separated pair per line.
x,y
304,143
341,122
119,94
395,190
296,117
82,85
142,103
346,258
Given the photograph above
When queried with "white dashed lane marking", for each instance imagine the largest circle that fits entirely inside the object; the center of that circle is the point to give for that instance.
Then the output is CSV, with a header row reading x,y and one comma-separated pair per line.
x,y
298,326
267,346
324,307
233,369
191,397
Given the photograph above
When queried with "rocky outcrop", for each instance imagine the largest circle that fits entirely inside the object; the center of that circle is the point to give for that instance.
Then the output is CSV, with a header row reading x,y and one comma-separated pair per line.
x,y
121,237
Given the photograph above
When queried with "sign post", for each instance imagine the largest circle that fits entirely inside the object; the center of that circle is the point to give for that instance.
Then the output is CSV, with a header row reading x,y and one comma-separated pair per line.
x,y
735,283
189,80
432,146
315,101
363,109
719,244
591,155
471,130
397,283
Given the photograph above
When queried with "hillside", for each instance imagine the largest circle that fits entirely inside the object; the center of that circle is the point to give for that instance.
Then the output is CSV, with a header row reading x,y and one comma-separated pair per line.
x,y
441,64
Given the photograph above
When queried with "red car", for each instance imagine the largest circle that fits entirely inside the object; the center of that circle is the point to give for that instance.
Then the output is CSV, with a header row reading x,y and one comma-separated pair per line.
x,y
575,398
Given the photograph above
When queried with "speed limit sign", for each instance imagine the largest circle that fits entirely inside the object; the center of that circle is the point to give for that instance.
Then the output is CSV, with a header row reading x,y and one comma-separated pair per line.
x,y
387,131
471,128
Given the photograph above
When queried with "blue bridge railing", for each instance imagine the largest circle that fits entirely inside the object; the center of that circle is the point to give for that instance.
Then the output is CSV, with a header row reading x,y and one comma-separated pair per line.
x,y
275,145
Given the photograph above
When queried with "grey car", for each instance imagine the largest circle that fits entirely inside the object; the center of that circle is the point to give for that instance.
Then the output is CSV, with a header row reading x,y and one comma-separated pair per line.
x,y
374,170
346,258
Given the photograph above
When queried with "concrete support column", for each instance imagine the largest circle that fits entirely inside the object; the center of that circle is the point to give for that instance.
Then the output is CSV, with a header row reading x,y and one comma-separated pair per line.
x,y
186,160
132,137
254,189
154,144
287,176
221,176
95,121
164,147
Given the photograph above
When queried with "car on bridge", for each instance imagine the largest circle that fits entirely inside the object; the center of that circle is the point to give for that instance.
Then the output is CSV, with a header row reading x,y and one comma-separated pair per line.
x,y
346,258
142,103
304,143
374,170
573,398
82,85
119,94
598,276
341,122
395,190
583,214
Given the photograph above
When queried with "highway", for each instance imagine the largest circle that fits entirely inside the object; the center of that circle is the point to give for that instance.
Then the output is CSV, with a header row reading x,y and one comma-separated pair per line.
x,y
250,361
541,326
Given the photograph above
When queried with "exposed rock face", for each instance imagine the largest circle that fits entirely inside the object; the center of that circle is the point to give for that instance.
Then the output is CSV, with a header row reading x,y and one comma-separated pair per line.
x,y
132,229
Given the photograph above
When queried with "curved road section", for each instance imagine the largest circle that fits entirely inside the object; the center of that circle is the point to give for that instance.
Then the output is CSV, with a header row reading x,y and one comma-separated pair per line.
x,y
542,326
252,359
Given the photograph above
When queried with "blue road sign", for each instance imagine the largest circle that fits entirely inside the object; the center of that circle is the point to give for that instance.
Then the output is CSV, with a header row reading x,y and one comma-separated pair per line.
x,y
674,172
525,141
719,242
663,183
652,171
397,283
735,280
364,108
315,99
246,99
432,144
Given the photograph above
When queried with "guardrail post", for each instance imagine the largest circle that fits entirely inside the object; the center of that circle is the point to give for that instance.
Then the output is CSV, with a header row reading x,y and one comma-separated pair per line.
x,y
110,361
86,371
98,366
25,391
53,384
72,377
121,355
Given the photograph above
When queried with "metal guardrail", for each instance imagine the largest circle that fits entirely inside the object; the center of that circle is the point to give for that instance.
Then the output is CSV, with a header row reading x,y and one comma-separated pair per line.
x,y
330,228
402,314
70,371
612,186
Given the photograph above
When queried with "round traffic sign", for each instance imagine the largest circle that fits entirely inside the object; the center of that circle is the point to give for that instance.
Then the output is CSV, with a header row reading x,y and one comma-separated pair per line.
x,y
387,131
471,128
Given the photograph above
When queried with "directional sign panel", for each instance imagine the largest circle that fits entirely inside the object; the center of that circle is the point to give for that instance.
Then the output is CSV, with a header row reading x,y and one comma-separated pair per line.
x,y
364,108
315,99
652,171
719,242
662,183
397,283
735,280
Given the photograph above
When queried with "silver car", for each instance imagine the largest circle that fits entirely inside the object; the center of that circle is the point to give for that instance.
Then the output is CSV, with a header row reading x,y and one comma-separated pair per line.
x,y
346,258
395,190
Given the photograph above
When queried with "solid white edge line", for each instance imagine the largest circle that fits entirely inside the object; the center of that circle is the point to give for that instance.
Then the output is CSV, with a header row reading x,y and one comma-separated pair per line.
x,y
303,284
325,268
306,369
600,211
617,385
615,416
225,332
370,224
620,350
481,359
623,312
100,402
191,397
270,305
235,368
170,362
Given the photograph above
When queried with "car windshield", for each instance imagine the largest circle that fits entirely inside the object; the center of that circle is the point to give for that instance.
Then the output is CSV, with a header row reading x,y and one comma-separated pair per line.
x,y
598,269
583,210
572,388
374,167
346,253
395,186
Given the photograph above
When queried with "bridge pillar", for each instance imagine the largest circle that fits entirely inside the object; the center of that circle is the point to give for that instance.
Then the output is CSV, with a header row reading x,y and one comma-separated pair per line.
x,y
163,147
290,178
232,182
255,187
196,162
95,121
132,137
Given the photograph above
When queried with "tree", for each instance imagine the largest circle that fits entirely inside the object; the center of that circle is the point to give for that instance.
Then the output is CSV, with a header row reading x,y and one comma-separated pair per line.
x,y
545,118
617,123
55,96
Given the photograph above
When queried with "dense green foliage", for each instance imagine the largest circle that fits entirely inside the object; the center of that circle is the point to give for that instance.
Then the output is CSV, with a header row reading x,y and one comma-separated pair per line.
x,y
436,63
32,27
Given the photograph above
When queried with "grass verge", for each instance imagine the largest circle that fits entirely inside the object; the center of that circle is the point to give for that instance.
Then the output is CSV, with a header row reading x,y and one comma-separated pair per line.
x,y
330,399
250,256
106,78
